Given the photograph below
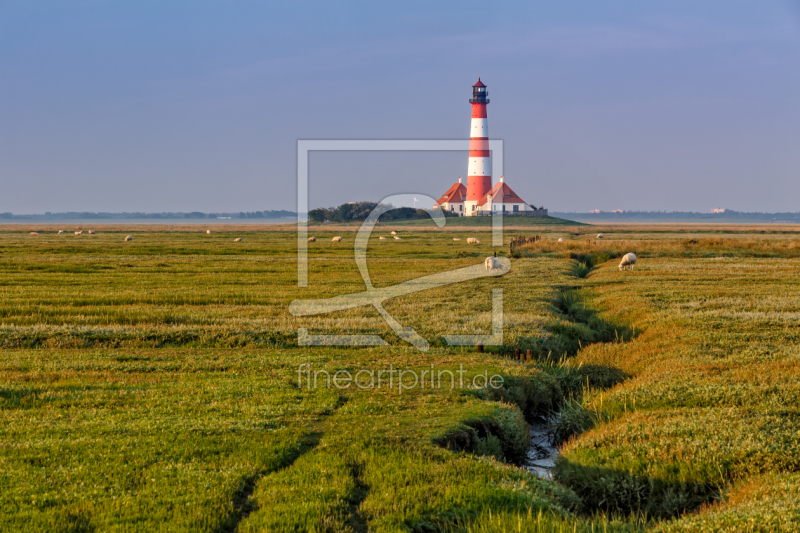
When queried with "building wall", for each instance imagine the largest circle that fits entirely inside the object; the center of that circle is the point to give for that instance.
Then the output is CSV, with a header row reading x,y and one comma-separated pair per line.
x,y
468,208
454,207
487,210
498,206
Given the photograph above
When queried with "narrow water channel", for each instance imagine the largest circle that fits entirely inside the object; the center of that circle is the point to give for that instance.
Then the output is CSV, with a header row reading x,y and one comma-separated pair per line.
x,y
542,454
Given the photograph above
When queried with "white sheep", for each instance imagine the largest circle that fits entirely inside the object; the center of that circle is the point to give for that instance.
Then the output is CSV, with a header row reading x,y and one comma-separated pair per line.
x,y
628,260
79,232
312,239
129,238
208,232
237,239
473,240
394,233
560,239
599,235
456,239
336,239
34,234
91,232
493,263
61,232
396,238
381,238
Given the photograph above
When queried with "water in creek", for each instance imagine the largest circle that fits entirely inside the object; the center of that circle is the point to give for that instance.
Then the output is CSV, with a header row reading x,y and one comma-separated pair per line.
x,y
542,454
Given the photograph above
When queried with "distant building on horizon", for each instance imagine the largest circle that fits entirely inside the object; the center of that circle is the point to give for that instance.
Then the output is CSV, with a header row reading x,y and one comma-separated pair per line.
x,y
718,210
479,197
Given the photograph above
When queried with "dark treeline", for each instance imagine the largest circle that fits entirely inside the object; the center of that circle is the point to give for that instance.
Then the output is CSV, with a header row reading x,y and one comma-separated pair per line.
x,y
171,216
359,211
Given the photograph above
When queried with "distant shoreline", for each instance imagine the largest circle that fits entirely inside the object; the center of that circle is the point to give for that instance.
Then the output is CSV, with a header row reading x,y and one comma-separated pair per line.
x,y
156,221
677,217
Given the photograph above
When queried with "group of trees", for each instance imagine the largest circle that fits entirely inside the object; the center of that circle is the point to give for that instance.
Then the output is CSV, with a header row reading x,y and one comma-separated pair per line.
x,y
268,214
359,211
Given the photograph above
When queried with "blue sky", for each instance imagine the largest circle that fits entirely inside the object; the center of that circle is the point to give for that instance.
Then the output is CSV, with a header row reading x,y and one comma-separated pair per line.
x,y
182,106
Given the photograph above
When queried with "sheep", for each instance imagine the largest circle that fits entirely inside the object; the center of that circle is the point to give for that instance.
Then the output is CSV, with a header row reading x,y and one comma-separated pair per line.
x,y
237,239
560,239
381,238
208,232
394,233
493,263
456,239
129,238
628,260
91,232
79,232
61,232
473,240
599,235
336,239
312,239
34,234
396,238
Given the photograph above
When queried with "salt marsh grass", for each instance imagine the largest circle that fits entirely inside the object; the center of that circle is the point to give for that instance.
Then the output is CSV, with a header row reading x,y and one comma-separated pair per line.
x,y
714,399
152,385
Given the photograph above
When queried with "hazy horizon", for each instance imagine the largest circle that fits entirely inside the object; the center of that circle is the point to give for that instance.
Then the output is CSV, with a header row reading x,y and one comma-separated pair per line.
x,y
215,213
197,106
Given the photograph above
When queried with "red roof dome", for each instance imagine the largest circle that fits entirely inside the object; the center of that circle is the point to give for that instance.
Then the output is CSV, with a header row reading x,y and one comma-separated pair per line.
x,y
479,84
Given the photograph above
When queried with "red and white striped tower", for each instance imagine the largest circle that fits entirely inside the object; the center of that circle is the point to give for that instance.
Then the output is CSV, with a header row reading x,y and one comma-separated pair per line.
x,y
479,174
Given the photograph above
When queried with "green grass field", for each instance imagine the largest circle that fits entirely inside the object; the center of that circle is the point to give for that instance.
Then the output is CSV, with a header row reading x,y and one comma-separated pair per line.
x,y
154,386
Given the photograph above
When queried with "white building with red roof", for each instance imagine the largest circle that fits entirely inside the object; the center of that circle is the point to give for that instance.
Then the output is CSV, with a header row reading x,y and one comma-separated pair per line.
x,y
501,199
453,199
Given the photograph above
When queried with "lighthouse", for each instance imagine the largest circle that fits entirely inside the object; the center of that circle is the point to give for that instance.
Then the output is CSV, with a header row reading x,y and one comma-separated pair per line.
x,y
479,173
479,198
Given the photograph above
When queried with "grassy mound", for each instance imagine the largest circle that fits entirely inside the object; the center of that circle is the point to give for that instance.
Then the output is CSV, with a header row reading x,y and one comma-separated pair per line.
x,y
486,222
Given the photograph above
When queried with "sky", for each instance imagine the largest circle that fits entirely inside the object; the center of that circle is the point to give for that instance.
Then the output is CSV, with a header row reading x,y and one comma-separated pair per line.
x,y
198,105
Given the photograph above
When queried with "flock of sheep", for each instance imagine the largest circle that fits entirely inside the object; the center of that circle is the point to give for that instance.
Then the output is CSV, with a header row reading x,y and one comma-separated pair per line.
x,y
492,263
61,232
128,238
627,263
338,238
